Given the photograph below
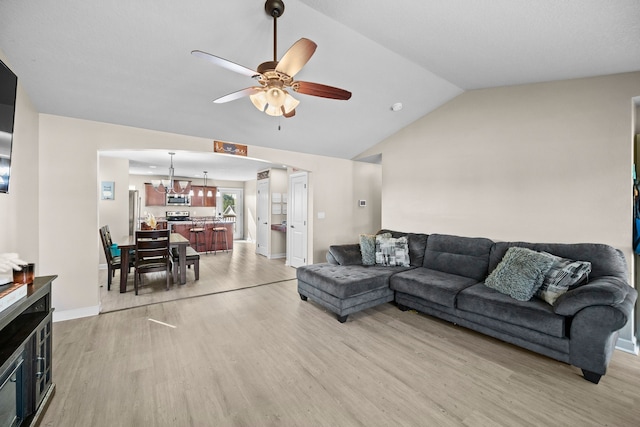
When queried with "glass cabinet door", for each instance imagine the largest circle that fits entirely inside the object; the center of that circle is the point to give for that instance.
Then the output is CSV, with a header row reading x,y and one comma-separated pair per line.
x,y
43,359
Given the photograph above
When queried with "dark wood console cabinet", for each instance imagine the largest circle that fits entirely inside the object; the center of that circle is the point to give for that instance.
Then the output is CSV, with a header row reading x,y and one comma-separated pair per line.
x,y
25,335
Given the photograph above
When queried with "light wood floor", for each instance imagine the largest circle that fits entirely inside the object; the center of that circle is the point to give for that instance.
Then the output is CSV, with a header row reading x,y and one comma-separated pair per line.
x,y
262,357
220,272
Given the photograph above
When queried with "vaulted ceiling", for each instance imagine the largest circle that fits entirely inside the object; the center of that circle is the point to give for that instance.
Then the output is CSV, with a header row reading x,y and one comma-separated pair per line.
x,y
129,62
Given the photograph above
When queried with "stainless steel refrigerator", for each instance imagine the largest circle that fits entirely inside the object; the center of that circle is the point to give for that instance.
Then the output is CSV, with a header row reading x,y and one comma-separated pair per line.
x,y
134,211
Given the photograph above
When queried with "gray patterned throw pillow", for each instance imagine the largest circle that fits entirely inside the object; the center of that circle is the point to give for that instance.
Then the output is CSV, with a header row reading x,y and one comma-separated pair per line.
x,y
563,275
392,251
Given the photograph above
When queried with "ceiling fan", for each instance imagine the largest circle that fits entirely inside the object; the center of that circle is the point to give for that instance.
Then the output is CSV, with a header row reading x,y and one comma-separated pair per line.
x,y
274,77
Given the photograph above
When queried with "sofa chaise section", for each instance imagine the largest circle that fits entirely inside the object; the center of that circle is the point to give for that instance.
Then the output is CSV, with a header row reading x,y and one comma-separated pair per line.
x,y
344,290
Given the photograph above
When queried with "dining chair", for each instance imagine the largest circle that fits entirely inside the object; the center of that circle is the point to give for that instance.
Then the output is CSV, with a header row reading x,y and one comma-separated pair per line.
x,y
219,235
152,254
197,229
113,261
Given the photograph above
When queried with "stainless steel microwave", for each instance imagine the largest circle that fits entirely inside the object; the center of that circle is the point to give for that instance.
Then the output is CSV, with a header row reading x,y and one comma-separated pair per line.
x,y
178,200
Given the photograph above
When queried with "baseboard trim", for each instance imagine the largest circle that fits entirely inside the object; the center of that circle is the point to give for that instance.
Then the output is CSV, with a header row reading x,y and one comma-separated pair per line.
x,y
275,256
628,346
61,316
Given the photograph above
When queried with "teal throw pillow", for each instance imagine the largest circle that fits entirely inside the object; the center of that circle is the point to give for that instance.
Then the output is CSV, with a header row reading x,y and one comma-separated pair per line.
x,y
368,249
520,273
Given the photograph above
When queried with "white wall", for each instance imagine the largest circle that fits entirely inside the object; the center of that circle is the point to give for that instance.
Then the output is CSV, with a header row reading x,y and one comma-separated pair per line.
x,y
114,213
368,187
19,207
548,162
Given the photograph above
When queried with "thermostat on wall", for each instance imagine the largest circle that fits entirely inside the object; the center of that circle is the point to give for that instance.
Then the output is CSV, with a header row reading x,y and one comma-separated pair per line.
x,y
362,203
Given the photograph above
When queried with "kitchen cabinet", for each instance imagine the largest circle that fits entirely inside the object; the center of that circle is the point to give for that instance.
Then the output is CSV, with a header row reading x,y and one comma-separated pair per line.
x,y
153,197
204,200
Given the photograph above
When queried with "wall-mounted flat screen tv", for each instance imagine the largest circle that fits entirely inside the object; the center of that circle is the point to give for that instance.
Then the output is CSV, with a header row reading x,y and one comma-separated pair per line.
x,y
8,87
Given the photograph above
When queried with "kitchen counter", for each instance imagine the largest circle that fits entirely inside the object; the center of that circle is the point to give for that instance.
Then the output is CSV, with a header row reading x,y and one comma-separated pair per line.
x,y
191,218
183,227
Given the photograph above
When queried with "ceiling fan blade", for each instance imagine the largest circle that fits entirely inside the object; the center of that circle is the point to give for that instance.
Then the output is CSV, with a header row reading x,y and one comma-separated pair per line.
x,y
224,63
295,58
323,91
238,94
289,114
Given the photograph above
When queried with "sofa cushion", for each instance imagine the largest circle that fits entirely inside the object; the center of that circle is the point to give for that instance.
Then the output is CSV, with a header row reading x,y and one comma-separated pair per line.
x,y
563,275
464,256
417,245
346,254
345,281
431,285
392,251
520,273
535,314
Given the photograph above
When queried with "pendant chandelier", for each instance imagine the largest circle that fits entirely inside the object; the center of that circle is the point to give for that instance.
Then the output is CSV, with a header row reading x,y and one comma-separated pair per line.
x,y
168,186
200,192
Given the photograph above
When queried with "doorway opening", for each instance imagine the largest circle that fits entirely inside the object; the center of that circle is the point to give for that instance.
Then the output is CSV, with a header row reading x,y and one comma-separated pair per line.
x,y
230,204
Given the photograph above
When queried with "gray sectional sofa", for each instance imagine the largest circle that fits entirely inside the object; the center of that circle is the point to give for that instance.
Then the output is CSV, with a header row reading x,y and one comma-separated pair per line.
x,y
446,278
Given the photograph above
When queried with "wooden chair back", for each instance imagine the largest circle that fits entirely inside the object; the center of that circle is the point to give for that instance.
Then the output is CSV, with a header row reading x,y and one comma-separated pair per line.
x,y
152,245
152,254
105,237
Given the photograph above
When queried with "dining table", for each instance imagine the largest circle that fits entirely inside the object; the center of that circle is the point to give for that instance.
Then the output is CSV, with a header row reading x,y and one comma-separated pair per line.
x,y
127,243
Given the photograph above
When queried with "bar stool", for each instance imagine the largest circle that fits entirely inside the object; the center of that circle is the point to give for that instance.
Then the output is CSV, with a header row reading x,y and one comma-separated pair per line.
x,y
217,231
197,228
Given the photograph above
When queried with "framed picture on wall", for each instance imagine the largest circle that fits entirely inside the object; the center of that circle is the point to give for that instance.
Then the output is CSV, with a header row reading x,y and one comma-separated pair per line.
x,y
107,190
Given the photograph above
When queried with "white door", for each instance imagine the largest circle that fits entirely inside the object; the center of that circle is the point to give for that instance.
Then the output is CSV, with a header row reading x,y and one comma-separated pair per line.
x,y
230,201
297,220
262,218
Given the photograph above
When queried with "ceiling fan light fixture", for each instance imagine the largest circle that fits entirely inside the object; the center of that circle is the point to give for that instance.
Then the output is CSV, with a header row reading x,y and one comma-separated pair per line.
x,y
290,103
283,103
272,110
275,97
259,100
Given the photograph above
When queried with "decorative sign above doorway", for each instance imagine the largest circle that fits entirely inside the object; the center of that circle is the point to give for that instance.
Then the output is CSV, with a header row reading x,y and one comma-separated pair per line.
x,y
229,148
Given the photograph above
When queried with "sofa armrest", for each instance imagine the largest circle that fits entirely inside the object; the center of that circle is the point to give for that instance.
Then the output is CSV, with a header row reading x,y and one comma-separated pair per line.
x,y
593,335
606,290
345,254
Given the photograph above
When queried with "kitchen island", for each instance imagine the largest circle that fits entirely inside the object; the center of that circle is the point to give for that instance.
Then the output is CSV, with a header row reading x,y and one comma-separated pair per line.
x,y
183,227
